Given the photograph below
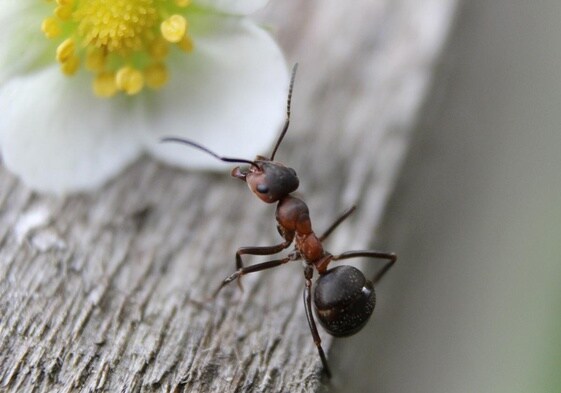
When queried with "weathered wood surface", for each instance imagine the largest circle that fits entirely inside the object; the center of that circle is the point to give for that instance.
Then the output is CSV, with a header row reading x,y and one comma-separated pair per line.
x,y
103,292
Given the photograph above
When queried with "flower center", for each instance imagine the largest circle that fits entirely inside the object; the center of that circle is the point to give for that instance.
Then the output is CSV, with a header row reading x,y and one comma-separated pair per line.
x,y
122,42
116,25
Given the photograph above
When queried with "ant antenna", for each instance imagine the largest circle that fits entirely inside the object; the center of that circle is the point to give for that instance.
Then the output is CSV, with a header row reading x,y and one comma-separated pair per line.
x,y
200,147
285,128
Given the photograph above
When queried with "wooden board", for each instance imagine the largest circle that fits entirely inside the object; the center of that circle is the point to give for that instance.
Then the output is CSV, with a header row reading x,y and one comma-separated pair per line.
x,y
108,291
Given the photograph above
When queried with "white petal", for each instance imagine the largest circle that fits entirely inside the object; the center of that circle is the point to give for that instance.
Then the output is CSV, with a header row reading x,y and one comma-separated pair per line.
x,y
229,95
22,45
239,7
58,137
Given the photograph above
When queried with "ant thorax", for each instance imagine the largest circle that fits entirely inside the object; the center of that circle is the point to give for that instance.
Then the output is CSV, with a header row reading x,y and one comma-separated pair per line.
x,y
293,218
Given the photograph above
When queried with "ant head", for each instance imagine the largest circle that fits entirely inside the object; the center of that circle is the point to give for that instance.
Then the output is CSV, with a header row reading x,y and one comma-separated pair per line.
x,y
269,180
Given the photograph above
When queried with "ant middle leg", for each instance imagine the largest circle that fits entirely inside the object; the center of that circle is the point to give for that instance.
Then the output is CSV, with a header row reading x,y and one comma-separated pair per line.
x,y
265,250
390,257
252,269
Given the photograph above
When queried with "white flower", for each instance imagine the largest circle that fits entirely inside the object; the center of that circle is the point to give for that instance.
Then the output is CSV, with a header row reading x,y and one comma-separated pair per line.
x,y
86,86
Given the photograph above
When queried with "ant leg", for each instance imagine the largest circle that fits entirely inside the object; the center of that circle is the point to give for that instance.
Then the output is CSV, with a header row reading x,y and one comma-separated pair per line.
x,y
389,256
253,268
308,273
338,221
266,250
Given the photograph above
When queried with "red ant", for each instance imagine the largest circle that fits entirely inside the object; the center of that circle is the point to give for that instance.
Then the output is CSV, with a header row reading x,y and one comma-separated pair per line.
x,y
343,298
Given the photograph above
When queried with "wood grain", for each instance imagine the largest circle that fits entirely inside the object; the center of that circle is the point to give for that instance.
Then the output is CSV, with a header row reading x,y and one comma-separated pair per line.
x,y
108,291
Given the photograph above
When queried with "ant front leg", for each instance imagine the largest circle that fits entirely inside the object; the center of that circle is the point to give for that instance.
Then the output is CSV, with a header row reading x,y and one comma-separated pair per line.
x,y
308,273
389,256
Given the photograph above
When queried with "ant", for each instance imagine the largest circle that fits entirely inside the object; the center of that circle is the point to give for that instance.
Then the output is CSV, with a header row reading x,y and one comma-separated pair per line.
x,y
343,298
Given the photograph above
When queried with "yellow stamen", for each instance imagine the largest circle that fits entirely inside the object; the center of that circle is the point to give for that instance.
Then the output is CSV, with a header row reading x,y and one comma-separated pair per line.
x,y
186,44
174,28
105,85
65,50
63,12
156,75
159,49
70,66
50,27
129,80
95,60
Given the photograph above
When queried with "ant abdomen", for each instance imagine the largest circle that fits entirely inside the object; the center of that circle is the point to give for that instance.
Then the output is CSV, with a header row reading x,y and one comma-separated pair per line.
x,y
344,300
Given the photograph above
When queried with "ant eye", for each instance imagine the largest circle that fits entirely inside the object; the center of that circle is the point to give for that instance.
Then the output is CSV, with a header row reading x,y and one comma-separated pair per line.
x,y
262,188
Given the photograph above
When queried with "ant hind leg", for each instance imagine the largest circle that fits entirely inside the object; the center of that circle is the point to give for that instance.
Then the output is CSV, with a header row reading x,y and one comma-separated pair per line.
x,y
308,273
390,257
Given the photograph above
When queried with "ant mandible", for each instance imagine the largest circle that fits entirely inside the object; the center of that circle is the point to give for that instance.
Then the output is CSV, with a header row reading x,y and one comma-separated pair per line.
x,y
343,298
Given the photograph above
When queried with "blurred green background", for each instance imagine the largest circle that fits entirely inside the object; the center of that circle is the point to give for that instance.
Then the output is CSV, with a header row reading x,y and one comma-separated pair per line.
x,y
474,302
